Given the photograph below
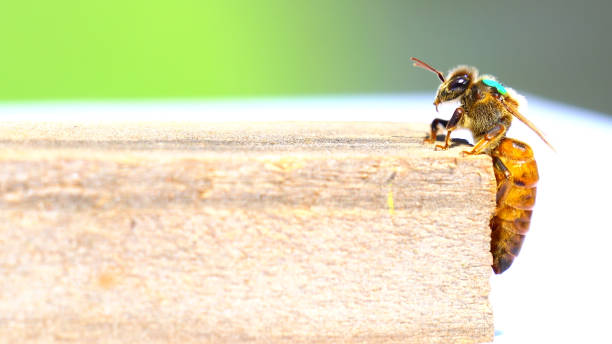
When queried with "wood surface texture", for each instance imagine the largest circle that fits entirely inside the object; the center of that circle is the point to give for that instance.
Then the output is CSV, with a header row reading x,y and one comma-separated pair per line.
x,y
241,232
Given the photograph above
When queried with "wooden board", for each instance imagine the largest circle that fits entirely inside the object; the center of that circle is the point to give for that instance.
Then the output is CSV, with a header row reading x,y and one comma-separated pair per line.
x,y
241,232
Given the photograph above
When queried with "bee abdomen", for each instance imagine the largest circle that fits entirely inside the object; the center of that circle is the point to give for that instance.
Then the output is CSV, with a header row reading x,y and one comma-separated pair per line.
x,y
516,173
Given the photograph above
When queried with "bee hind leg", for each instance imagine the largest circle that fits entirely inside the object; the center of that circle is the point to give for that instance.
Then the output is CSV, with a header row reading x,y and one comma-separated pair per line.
x,y
503,186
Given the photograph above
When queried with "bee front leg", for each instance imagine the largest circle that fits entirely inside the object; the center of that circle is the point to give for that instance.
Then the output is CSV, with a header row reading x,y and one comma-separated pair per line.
x,y
450,126
435,124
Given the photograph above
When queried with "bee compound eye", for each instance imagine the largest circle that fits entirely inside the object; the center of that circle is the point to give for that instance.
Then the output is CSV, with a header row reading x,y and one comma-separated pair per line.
x,y
460,82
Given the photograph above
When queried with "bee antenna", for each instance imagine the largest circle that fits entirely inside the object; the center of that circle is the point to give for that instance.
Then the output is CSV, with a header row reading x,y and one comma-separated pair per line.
x,y
419,63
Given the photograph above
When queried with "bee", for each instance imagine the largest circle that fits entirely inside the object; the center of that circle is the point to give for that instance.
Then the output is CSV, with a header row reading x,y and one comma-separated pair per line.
x,y
487,109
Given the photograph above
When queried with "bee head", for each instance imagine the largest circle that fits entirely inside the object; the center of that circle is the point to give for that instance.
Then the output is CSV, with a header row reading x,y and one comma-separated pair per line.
x,y
456,84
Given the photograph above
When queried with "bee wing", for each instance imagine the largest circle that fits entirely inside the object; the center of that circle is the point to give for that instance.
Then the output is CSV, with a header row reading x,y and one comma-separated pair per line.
x,y
522,101
522,106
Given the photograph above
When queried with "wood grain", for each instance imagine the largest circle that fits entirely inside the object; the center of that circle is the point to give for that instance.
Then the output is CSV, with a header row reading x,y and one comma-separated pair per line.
x,y
241,232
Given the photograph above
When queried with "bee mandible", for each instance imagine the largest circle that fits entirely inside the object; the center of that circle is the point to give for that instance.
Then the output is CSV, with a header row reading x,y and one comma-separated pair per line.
x,y
487,109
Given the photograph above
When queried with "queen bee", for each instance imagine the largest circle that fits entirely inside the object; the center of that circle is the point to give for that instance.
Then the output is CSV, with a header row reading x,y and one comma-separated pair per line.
x,y
487,109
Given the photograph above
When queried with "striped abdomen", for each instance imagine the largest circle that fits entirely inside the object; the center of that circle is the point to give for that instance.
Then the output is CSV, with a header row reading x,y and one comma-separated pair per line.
x,y
516,173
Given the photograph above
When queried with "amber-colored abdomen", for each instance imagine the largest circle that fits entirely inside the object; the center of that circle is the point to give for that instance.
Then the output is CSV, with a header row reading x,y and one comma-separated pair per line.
x,y
516,173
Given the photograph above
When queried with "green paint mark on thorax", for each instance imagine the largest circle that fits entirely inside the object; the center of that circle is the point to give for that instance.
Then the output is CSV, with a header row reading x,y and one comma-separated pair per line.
x,y
500,88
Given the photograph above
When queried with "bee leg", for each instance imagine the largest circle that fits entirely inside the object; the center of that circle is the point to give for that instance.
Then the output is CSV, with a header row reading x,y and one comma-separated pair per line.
x,y
489,138
450,126
503,186
434,130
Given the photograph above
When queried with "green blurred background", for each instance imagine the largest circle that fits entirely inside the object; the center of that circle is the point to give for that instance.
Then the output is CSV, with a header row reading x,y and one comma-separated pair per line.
x,y
137,49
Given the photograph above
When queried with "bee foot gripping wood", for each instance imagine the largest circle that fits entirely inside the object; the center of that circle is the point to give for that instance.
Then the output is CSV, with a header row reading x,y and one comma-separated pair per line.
x,y
258,233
